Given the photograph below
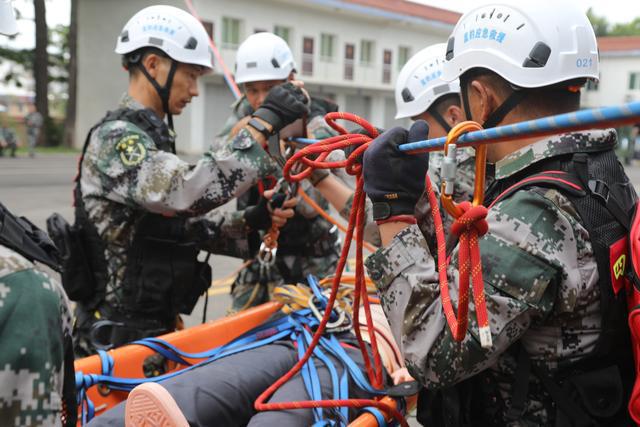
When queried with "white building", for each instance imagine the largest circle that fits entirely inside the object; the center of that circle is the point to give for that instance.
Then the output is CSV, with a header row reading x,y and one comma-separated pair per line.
x,y
619,73
349,50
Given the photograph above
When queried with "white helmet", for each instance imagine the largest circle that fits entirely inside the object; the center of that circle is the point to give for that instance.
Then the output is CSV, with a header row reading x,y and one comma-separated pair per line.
x,y
529,43
7,18
263,56
419,83
174,31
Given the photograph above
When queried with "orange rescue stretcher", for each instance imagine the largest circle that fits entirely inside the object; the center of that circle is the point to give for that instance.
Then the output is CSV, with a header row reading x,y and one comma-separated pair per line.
x,y
129,359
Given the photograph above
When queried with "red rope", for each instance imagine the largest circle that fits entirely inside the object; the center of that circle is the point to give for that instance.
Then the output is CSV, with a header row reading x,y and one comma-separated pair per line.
x,y
468,227
313,157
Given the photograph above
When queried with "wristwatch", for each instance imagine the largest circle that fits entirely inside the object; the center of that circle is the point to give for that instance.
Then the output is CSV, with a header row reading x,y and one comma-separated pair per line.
x,y
257,125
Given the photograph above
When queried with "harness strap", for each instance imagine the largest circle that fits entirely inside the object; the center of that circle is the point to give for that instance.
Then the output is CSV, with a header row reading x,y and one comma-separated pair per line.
x,y
554,179
520,386
576,414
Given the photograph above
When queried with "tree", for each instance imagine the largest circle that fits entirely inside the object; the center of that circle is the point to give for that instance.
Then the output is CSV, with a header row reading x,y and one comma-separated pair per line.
x,y
599,23
629,29
41,65
602,27
70,117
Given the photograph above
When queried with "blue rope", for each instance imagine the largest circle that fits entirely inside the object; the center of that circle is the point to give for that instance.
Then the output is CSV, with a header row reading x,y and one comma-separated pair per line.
x,y
295,326
382,422
597,117
584,119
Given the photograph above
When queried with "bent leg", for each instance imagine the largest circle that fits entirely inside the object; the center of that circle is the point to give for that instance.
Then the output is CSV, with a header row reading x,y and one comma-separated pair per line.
x,y
222,392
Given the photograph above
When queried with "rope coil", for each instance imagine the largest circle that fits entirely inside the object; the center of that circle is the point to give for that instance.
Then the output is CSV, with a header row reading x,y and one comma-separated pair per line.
x,y
313,157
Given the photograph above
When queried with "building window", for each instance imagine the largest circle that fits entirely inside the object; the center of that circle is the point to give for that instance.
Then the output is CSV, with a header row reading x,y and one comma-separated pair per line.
x,y
230,32
307,56
282,32
386,66
592,85
349,54
404,53
634,81
366,52
208,27
327,46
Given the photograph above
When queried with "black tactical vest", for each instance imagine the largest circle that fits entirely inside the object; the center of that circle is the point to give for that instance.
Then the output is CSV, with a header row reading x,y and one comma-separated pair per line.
x,y
163,276
594,391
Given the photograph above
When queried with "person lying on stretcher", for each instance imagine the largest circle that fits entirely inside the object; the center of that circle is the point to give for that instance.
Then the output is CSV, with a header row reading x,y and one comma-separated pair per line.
x,y
223,392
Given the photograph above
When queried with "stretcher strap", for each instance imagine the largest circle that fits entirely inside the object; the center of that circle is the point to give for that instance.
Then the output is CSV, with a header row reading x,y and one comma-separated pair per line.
x,y
294,327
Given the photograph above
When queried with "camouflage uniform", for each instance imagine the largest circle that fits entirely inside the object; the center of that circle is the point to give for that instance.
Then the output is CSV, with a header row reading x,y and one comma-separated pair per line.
x,y
36,323
252,287
124,176
541,285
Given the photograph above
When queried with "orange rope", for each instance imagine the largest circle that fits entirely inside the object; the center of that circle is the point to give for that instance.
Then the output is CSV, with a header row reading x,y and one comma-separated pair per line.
x,y
356,225
324,214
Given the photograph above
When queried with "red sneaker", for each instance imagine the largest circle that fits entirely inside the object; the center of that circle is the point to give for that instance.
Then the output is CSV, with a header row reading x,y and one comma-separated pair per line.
x,y
151,405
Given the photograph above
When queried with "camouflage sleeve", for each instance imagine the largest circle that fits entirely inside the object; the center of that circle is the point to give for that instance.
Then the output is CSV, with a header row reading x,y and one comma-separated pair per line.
x,y
306,210
338,156
371,231
528,255
222,232
318,128
35,319
134,172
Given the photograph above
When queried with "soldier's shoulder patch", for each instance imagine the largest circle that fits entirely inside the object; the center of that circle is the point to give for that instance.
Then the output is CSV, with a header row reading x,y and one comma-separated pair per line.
x,y
243,140
131,149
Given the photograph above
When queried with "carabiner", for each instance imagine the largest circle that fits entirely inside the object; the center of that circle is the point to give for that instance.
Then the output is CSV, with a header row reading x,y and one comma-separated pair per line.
x,y
267,255
446,189
331,326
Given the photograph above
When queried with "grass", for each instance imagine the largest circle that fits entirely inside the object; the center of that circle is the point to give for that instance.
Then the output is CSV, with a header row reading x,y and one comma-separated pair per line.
x,y
24,151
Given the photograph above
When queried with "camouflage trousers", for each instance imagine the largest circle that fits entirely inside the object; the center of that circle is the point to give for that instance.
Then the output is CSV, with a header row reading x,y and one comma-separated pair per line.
x,y
253,287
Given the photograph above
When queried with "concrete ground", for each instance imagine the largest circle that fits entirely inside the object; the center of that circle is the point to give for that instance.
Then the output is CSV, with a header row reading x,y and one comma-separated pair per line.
x,y
37,187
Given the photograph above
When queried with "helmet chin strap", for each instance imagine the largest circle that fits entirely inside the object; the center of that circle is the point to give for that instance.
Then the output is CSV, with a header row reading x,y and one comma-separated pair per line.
x,y
441,120
498,115
163,91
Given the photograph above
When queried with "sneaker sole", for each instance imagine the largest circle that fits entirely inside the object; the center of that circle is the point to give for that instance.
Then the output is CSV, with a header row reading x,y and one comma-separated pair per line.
x,y
151,405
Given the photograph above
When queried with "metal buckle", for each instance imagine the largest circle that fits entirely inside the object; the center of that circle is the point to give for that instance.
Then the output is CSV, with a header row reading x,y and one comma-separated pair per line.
x,y
95,331
599,188
266,255
342,324
449,169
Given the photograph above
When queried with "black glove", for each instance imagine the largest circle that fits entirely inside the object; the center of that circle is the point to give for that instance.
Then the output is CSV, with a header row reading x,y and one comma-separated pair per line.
x,y
394,180
258,217
284,104
351,148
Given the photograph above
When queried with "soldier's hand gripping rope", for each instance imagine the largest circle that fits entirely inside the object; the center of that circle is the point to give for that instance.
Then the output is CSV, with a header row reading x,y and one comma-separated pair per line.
x,y
282,195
